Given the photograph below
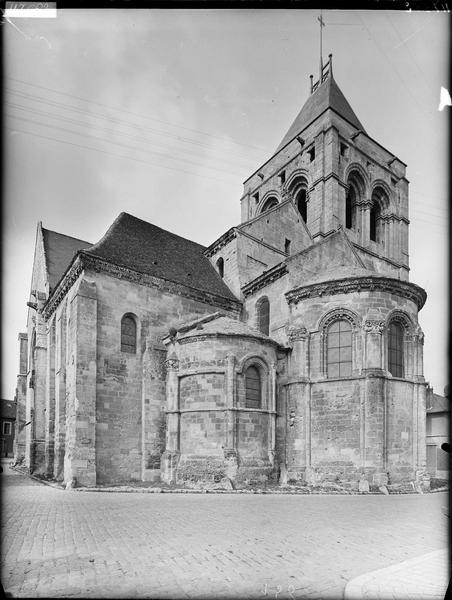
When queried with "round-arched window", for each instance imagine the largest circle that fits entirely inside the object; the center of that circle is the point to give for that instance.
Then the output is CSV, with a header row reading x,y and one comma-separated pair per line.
x,y
128,334
270,203
253,387
339,349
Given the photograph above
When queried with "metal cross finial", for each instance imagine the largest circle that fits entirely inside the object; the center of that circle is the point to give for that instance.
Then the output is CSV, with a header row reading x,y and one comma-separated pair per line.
x,y
322,24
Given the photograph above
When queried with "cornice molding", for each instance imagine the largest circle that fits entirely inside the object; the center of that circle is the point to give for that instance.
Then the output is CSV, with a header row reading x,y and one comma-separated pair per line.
x,y
204,336
221,242
263,280
349,285
86,261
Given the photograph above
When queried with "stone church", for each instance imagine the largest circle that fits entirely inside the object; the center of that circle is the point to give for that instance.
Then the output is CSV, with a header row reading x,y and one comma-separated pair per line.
x,y
289,349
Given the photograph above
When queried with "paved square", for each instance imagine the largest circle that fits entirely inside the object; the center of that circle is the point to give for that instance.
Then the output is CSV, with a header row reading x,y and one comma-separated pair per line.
x,y
92,544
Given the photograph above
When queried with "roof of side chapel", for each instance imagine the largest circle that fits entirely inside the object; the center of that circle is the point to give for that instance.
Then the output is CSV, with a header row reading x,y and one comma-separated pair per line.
x,y
327,95
148,249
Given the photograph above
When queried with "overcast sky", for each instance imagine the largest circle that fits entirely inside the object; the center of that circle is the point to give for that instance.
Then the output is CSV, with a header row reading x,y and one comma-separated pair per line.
x,y
164,113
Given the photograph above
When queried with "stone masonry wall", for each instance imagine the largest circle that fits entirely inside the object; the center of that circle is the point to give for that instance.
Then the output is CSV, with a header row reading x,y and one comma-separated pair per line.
x,y
131,386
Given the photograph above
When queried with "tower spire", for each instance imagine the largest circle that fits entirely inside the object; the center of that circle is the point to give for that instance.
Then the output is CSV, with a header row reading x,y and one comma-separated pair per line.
x,y
322,24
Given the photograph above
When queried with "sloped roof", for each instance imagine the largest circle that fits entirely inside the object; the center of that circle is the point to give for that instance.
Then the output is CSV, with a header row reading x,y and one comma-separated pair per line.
x,y
8,409
218,323
438,404
59,250
327,95
148,249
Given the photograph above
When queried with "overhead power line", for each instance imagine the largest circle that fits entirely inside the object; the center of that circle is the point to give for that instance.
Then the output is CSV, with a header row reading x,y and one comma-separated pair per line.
x,y
116,121
197,131
117,132
146,162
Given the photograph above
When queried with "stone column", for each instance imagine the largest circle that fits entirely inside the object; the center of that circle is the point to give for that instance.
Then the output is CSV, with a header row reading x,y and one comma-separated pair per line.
x,y
230,442
364,225
272,414
60,393
419,372
153,417
80,450
170,457
299,410
298,339
410,354
50,399
373,346
392,237
21,399
39,384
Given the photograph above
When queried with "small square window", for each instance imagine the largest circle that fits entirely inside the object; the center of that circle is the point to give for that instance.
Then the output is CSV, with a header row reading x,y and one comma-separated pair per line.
x,y
311,153
287,246
6,428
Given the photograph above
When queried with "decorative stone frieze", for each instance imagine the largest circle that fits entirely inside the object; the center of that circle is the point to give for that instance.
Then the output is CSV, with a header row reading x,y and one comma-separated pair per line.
x,y
400,288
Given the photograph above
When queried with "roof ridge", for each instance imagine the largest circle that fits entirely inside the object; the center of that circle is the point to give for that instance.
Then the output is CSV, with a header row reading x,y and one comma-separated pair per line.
x,y
126,214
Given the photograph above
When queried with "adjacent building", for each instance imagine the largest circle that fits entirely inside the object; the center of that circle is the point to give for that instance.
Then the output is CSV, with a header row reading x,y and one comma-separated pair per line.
x,y
8,427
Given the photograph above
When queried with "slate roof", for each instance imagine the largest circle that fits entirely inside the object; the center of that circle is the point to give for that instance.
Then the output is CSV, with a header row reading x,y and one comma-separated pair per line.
x,y
148,249
59,250
7,409
327,95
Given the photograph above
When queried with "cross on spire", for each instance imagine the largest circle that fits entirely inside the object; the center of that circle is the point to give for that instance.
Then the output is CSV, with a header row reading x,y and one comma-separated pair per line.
x,y
322,24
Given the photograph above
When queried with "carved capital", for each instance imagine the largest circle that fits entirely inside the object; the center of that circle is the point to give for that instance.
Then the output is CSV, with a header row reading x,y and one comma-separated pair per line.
x,y
285,194
296,333
172,364
374,326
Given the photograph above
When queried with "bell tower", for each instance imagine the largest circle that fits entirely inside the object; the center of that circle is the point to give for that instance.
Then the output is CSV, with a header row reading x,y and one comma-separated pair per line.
x,y
337,176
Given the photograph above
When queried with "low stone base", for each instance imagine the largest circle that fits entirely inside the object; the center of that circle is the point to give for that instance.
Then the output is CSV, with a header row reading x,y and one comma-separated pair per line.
x,y
152,475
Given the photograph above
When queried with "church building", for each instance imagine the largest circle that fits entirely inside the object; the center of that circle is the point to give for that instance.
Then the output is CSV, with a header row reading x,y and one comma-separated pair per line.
x,y
289,349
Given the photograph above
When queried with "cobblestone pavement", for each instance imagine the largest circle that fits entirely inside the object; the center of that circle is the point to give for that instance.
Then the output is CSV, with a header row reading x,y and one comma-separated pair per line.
x,y
422,578
73,544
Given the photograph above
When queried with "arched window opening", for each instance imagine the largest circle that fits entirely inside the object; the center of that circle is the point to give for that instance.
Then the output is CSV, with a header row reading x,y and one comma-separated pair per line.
x,y
302,204
270,203
339,349
380,201
350,208
253,388
263,315
128,334
395,349
220,266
